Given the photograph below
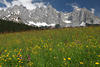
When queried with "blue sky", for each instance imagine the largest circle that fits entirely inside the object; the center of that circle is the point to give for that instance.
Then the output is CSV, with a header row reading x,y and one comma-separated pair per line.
x,y
65,5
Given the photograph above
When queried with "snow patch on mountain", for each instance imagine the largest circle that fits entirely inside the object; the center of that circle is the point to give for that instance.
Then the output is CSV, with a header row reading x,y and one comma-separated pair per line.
x,y
8,16
67,21
39,24
17,12
92,10
83,24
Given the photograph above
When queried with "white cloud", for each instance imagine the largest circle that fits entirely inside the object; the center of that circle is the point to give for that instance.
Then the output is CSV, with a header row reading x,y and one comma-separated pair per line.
x,y
16,3
6,3
26,3
75,6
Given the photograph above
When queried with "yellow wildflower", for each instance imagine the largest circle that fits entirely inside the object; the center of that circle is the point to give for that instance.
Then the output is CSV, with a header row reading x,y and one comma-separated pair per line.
x,y
5,60
65,63
18,58
44,46
7,55
15,50
98,55
2,59
20,49
19,61
20,55
20,66
13,55
30,63
10,58
86,46
81,63
50,49
64,59
0,66
69,58
55,57
5,50
97,63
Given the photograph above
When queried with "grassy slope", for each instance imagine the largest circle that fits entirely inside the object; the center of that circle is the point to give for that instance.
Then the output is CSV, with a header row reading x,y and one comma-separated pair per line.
x,y
73,47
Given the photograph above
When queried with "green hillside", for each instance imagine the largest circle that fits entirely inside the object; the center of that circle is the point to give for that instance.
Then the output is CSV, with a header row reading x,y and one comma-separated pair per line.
x,y
68,47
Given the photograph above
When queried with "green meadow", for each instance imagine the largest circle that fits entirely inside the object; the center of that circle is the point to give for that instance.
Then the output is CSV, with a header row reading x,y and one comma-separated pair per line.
x,y
67,47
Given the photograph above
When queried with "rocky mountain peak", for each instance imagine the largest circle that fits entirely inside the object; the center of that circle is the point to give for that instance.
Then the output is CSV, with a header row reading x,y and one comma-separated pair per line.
x,y
46,15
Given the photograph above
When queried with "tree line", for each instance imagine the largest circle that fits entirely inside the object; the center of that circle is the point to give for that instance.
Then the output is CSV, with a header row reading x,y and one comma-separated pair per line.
x,y
11,26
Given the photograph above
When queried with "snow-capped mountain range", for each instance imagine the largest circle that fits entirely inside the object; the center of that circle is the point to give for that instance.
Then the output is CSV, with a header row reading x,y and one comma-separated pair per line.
x,y
46,15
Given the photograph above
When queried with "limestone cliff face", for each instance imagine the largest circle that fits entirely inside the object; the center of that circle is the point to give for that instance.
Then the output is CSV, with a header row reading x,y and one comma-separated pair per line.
x,y
46,15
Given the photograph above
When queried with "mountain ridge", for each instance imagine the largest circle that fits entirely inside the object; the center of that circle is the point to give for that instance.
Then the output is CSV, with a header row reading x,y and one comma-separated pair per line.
x,y
46,15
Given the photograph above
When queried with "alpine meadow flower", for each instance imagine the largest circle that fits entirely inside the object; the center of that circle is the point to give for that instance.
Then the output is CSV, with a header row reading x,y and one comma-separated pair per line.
x,y
69,58
81,63
97,63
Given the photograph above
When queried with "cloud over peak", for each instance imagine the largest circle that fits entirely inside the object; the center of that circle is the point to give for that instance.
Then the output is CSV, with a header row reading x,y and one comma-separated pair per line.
x,y
26,3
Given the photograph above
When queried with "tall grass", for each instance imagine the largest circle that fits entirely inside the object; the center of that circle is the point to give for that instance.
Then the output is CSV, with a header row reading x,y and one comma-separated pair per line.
x,y
68,47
